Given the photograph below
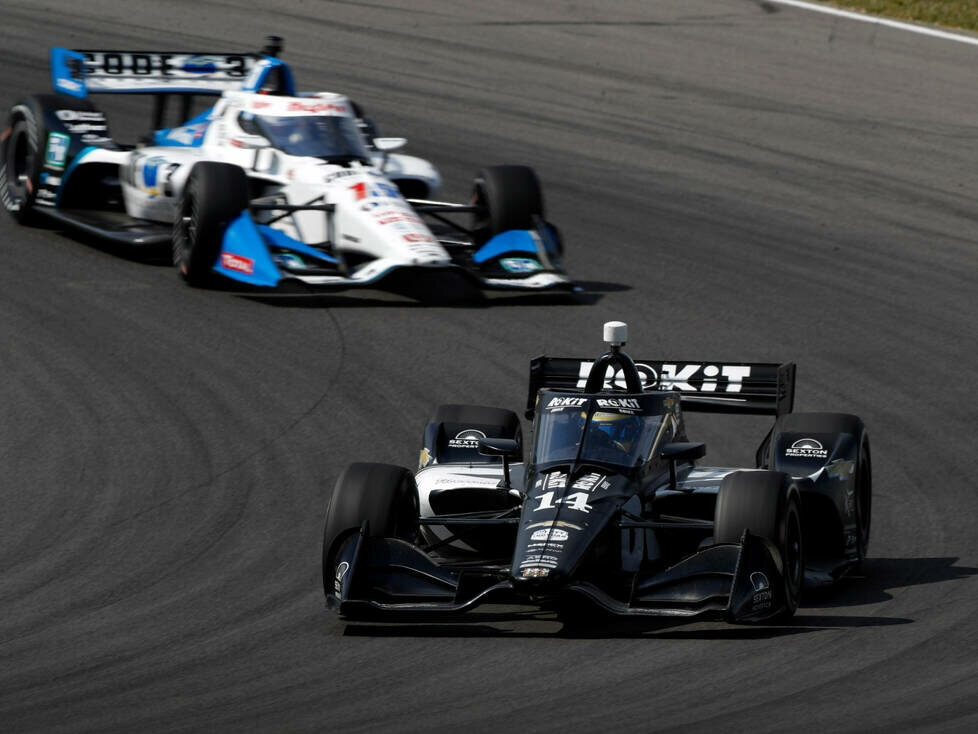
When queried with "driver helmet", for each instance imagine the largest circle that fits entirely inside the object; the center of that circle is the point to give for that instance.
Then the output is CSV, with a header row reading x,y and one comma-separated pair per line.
x,y
619,428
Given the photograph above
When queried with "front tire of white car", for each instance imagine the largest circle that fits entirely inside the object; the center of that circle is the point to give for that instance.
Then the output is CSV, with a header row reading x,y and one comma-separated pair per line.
x,y
214,196
509,196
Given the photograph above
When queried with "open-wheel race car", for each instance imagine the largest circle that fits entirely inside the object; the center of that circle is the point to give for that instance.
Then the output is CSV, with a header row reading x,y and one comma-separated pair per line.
x,y
610,507
268,187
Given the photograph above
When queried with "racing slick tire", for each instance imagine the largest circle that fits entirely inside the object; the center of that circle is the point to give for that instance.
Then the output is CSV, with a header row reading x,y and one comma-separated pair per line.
x,y
838,423
506,420
22,150
768,504
383,495
510,197
214,195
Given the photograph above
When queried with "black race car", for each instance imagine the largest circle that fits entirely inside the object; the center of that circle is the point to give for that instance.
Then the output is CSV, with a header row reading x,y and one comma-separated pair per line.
x,y
610,508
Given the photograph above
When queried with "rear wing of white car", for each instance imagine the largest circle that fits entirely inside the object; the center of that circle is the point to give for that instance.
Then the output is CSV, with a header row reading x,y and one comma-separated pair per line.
x,y
80,73
715,387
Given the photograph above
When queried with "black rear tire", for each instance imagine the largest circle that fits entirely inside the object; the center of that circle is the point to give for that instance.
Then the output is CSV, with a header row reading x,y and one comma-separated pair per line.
x,y
383,495
838,423
767,504
22,159
511,197
215,195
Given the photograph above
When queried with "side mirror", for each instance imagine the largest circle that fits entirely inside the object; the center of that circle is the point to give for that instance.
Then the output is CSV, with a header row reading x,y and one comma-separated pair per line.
x,y
508,448
681,451
389,145
251,142
505,447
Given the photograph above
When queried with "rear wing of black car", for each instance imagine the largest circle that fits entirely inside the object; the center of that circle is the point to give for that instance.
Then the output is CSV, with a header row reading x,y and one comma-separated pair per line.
x,y
713,387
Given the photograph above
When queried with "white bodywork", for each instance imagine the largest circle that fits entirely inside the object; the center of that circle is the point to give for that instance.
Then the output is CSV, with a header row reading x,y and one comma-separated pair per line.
x,y
370,215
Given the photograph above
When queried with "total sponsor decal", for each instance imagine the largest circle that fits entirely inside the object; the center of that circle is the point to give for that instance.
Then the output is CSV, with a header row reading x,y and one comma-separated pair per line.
x,y
467,439
677,377
535,573
806,448
340,573
558,404
762,591
237,262
57,152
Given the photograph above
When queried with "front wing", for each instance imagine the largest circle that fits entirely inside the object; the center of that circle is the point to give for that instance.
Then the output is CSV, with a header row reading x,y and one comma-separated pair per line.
x,y
385,576
262,256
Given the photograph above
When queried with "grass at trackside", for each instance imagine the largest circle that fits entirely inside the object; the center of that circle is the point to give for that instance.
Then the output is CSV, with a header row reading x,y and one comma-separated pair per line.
x,y
951,13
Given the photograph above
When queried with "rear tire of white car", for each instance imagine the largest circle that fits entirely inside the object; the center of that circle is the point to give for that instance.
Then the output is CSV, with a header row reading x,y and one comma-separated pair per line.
x,y
510,196
214,196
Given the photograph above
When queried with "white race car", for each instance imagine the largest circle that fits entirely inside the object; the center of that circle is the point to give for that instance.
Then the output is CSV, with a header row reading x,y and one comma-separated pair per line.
x,y
267,187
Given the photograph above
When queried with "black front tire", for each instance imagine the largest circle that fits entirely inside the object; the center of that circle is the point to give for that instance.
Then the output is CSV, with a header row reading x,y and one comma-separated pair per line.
x,y
767,504
383,495
510,197
215,195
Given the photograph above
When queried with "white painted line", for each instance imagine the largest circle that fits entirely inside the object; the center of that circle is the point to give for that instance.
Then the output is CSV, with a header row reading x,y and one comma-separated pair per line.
x,y
924,30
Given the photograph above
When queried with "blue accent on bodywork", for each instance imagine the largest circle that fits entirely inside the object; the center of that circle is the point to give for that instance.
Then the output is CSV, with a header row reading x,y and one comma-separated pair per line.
x,y
195,127
243,239
62,79
269,63
514,240
70,169
277,238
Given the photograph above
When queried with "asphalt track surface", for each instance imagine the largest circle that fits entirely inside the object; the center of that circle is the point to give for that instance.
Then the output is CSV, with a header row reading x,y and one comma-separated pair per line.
x,y
737,181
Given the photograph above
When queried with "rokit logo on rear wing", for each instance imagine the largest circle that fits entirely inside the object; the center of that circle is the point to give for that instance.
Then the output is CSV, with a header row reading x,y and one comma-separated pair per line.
x,y
708,377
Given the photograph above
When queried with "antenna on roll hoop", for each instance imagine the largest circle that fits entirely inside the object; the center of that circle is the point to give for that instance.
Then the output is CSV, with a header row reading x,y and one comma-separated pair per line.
x,y
615,336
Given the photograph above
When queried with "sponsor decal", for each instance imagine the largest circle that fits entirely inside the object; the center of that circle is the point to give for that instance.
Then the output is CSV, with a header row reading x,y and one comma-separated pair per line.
x,y
677,376
163,67
554,524
150,170
558,404
49,180
555,534
623,403
534,573
340,573
850,540
762,591
237,262
519,265
425,458
759,581
339,174
82,121
45,194
806,448
260,104
57,152
539,560
467,439
416,237
316,107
